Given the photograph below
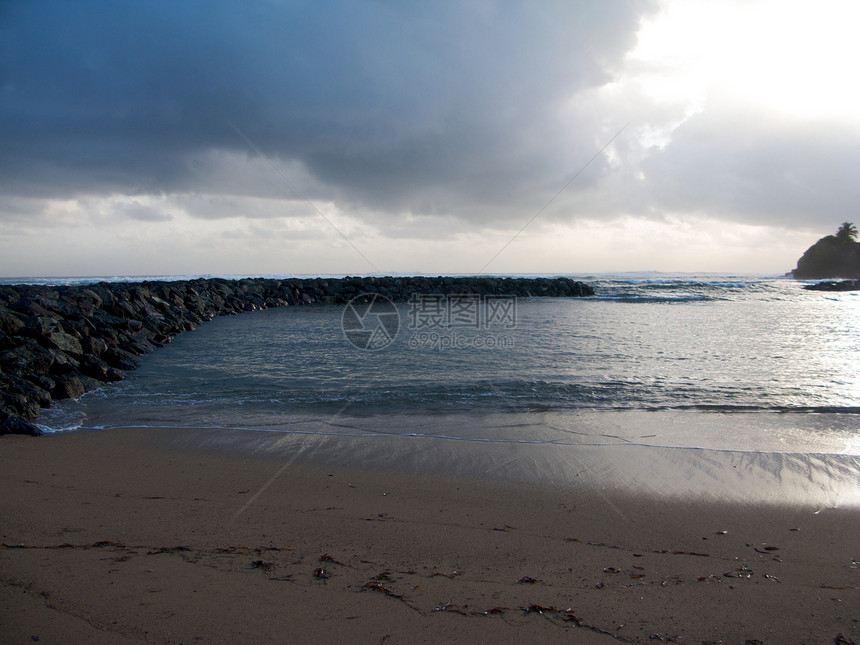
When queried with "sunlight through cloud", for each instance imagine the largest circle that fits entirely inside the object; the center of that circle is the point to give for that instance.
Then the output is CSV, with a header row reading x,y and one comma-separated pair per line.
x,y
792,58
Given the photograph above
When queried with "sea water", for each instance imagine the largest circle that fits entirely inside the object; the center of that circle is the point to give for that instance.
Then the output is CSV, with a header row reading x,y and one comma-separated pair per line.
x,y
741,386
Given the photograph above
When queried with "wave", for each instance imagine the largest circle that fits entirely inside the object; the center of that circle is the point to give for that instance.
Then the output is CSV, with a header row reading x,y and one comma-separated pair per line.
x,y
780,409
516,395
646,299
691,289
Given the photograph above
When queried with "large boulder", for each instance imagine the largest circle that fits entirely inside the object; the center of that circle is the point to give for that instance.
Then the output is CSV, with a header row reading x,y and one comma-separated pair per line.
x,y
10,323
17,425
68,387
65,343
27,357
29,389
15,404
30,307
98,369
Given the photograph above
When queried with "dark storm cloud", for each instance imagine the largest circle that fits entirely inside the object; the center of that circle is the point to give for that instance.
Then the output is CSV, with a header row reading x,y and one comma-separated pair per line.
x,y
476,110
442,107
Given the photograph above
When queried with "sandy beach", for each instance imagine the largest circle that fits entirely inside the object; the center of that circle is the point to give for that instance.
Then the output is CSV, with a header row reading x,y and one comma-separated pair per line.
x,y
128,535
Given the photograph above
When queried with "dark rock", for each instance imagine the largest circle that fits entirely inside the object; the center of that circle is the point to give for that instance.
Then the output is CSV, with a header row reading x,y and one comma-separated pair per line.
x,y
120,359
77,326
17,425
19,405
109,336
68,387
44,382
93,345
96,368
136,348
88,382
27,389
62,363
122,308
30,307
93,297
102,320
38,326
843,285
65,343
10,323
28,357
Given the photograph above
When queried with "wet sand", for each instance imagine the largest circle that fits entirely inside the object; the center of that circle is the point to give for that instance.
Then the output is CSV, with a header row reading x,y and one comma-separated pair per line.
x,y
125,536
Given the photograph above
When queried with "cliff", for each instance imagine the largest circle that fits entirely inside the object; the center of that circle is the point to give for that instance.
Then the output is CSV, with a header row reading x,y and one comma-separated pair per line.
x,y
60,341
833,256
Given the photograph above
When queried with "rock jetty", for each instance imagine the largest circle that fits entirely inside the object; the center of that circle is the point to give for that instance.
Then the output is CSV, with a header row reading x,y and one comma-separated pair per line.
x,y
841,285
58,342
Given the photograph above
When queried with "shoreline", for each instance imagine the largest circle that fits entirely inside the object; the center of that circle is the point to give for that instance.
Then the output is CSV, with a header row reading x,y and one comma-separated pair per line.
x,y
126,535
781,473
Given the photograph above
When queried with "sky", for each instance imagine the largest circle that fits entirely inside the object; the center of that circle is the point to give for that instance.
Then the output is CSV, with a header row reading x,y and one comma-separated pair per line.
x,y
461,136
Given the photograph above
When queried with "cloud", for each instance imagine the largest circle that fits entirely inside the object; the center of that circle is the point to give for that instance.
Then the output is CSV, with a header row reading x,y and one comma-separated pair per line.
x,y
143,213
447,124
754,167
447,108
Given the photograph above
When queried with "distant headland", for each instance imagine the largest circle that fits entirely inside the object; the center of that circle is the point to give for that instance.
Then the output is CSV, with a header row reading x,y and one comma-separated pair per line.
x,y
833,256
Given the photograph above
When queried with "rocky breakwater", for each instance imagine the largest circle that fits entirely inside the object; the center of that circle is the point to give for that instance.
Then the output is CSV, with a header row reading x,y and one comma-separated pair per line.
x,y
58,342
841,285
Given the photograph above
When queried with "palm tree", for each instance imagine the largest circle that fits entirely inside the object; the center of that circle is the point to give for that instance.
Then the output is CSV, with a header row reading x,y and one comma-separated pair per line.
x,y
847,232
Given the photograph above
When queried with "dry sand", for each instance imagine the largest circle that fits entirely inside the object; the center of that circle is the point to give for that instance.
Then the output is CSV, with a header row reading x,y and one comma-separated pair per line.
x,y
123,536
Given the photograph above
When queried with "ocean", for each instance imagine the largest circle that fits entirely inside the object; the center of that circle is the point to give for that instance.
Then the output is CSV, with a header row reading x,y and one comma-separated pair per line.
x,y
743,387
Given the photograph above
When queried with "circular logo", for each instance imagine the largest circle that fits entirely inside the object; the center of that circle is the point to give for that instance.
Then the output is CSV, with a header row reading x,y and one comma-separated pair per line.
x,y
370,321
